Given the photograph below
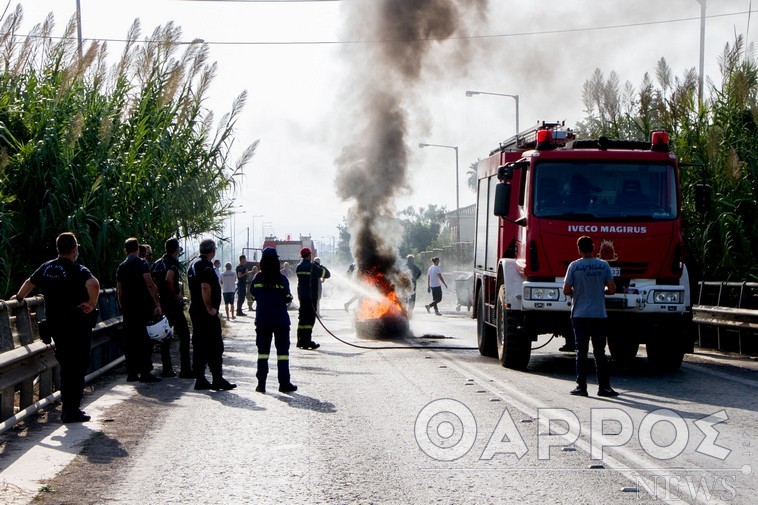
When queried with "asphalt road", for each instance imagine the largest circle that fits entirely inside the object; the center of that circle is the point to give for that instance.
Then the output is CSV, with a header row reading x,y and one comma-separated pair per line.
x,y
412,425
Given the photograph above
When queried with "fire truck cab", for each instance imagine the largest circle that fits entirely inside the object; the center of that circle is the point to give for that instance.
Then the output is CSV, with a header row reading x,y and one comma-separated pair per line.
x,y
537,194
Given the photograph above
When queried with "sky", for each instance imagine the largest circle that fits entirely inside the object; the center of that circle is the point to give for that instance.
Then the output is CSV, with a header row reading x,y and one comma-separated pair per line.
x,y
297,62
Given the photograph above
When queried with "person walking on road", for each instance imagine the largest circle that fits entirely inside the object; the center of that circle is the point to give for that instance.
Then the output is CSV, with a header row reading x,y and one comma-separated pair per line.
x,y
205,300
587,281
271,291
434,283
138,298
228,286
309,276
415,273
241,271
71,293
166,274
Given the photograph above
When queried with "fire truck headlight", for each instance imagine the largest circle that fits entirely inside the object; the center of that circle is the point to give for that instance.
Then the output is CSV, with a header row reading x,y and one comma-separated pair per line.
x,y
667,296
549,294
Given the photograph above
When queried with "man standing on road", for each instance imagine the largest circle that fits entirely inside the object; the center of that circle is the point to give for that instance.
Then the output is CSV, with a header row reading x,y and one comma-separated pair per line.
x,y
434,283
415,273
228,286
138,298
205,300
309,275
166,274
241,271
587,281
71,293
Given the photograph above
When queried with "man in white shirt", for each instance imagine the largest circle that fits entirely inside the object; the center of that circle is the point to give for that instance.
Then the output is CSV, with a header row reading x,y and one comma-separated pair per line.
x,y
434,283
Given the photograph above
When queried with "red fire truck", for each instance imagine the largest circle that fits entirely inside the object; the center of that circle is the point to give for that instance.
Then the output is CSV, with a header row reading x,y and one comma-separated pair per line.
x,y
537,194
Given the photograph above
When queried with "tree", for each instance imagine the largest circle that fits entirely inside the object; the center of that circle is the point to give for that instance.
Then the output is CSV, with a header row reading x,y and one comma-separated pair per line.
x,y
107,153
421,228
719,137
343,243
472,175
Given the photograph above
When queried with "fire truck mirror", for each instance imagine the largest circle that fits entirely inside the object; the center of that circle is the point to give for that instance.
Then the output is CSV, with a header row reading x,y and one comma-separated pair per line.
x,y
502,199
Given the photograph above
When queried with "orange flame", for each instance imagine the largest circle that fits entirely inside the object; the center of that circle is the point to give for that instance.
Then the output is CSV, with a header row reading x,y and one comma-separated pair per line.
x,y
373,308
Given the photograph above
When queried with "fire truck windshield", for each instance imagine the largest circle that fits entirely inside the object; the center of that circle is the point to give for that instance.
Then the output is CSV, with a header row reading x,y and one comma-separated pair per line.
x,y
618,191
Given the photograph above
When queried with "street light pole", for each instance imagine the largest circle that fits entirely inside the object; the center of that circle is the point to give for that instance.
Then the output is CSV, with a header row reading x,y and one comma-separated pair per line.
x,y
457,189
253,217
515,97
79,27
702,52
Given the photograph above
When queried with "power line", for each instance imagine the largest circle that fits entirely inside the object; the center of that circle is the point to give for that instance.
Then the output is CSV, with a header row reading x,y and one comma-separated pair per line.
x,y
425,39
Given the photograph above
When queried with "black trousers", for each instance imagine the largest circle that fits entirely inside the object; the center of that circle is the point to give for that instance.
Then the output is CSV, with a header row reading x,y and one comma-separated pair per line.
x,y
241,293
588,329
138,348
73,345
207,345
281,337
174,312
306,318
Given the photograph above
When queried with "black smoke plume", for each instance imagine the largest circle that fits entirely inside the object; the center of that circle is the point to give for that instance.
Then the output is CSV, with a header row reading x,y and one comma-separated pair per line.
x,y
398,45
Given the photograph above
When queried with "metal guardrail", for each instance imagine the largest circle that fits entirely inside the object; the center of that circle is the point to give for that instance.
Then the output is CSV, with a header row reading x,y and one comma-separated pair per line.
x,y
29,372
727,316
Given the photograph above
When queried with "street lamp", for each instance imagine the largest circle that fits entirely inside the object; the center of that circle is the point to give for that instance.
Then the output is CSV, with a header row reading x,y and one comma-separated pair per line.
x,y
515,97
457,191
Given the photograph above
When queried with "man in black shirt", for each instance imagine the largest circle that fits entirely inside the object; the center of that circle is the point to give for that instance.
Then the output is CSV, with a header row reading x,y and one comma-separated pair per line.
x,y
138,298
71,293
241,271
166,274
205,300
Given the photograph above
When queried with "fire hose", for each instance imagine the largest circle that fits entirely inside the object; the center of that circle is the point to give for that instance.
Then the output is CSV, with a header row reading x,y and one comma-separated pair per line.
x,y
392,347
405,347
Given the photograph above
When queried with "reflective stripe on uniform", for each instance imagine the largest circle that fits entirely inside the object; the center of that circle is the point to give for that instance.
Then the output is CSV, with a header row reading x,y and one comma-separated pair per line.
x,y
303,273
304,326
263,356
282,357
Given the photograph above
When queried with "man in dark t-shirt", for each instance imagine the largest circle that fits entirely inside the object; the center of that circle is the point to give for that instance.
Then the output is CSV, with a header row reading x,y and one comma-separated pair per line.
x,y
205,300
138,298
241,271
71,293
166,274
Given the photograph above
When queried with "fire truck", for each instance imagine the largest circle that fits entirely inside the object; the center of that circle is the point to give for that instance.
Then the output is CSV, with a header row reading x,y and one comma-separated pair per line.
x,y
542,189
289,249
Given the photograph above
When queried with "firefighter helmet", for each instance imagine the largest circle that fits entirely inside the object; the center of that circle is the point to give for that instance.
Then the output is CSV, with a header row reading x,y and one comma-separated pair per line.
x,y
159,330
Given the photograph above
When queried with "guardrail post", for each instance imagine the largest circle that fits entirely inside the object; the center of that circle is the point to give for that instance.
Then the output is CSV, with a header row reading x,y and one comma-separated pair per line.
x,y
7,396
26,396
23,324
6,334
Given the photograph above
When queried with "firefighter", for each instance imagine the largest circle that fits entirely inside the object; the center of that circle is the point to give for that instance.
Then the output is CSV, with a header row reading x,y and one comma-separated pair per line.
x,y
271,291
309,275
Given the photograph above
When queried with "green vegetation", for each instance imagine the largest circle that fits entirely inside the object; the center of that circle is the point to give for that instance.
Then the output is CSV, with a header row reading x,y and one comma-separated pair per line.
x,y
106,152
719,137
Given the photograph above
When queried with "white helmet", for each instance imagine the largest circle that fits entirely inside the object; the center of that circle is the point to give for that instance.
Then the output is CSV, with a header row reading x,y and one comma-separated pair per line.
x,y
159,330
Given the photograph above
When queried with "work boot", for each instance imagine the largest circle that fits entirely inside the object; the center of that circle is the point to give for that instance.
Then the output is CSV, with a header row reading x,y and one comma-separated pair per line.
x,y
309,345
261,387
607,391
148,377
579,391
74,416
201,383
427,309
287,388
222,385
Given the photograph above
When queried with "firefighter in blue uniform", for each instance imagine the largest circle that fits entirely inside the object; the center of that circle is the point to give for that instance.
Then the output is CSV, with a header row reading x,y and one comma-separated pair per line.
x,y
309,276
271,291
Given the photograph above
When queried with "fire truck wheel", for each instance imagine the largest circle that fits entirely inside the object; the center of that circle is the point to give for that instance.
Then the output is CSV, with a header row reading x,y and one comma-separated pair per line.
x,y
514,346
486,335
666,347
